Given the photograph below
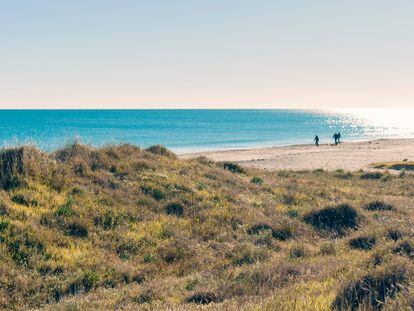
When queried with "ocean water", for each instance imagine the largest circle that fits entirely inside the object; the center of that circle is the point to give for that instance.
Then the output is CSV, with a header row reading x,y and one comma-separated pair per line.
x,y
198,130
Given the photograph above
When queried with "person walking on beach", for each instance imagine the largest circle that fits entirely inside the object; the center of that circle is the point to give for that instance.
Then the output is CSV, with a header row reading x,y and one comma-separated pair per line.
x,y
316,140
335,137
339,137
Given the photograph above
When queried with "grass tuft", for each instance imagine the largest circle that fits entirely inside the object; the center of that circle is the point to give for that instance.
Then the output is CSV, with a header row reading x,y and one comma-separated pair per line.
x,y
161,151
372,289
333,219
203,298
362,242
232,167
378,206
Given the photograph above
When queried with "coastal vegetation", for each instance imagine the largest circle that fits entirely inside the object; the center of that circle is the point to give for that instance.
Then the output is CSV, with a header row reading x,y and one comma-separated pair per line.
x,y
121,227
398,166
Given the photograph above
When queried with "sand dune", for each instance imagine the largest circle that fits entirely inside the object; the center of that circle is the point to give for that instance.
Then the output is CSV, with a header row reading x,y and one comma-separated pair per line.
x,y
348,156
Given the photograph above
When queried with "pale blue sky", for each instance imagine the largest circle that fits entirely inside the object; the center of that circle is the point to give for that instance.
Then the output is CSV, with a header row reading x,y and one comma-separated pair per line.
x,y
211,53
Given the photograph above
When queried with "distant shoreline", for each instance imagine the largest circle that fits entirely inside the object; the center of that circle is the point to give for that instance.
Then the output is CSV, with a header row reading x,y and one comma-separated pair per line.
x,y
350,156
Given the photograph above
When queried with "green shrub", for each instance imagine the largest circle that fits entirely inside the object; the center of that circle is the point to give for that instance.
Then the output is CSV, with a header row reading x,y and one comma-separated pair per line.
x,y
378,206
373,289
64,210
77,229
18,254
161,151
90,280
24,199
108,220
203,298
126,250
158,194
404,248
232,167
372,175
4,225
394,234
333,219
283,232
174,208
257,180
292,213
362,242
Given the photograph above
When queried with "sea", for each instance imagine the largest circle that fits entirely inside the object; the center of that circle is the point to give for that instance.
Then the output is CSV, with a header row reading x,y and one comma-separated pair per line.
x,y
200,130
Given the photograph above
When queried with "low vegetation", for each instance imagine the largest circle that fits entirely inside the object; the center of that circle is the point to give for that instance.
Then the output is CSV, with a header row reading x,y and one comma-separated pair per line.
x,y
120,227
398,166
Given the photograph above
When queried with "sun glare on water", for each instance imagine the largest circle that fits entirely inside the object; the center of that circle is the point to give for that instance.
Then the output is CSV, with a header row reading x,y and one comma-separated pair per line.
x,y
390,122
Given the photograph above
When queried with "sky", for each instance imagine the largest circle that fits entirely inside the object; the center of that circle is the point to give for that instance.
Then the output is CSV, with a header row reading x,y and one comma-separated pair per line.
x,y
206,53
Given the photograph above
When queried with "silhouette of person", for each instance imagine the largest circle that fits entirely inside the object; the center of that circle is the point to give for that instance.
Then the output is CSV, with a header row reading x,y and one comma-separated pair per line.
x,y
335,137
316,140
339,137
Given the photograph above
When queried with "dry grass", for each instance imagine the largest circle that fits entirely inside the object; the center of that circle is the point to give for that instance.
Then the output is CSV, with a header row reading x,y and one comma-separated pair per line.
x,y
124,228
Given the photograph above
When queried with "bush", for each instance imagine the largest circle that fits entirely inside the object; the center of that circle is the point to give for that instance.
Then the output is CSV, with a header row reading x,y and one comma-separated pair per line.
x,y
372,289
24,199
161,151
203,298
13,164
158,194
126,250
283,232
333,219
292,213
372,175
90,280
404,248
4,225
363,243
378,206
232,167
257,180
174,208
77,229
109,220
394,234
64,211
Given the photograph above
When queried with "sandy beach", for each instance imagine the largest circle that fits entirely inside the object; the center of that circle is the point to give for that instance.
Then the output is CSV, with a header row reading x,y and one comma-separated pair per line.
x,y
350,156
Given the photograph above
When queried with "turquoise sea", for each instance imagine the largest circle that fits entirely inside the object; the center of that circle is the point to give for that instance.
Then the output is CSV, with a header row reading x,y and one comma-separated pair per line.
x,y
197,130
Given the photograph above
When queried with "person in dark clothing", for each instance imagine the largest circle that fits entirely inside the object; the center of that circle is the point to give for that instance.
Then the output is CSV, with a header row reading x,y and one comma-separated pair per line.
x,y
316,140
339,137
335,137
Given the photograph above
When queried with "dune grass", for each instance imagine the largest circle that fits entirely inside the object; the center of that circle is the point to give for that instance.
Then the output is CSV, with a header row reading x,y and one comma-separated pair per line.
x,y
398,166
124,228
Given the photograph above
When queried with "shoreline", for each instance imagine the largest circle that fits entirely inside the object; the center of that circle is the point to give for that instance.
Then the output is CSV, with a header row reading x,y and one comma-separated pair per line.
x,y
350,156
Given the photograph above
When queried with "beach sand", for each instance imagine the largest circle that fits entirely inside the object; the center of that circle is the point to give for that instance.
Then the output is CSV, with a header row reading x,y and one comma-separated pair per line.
x,y
350,156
